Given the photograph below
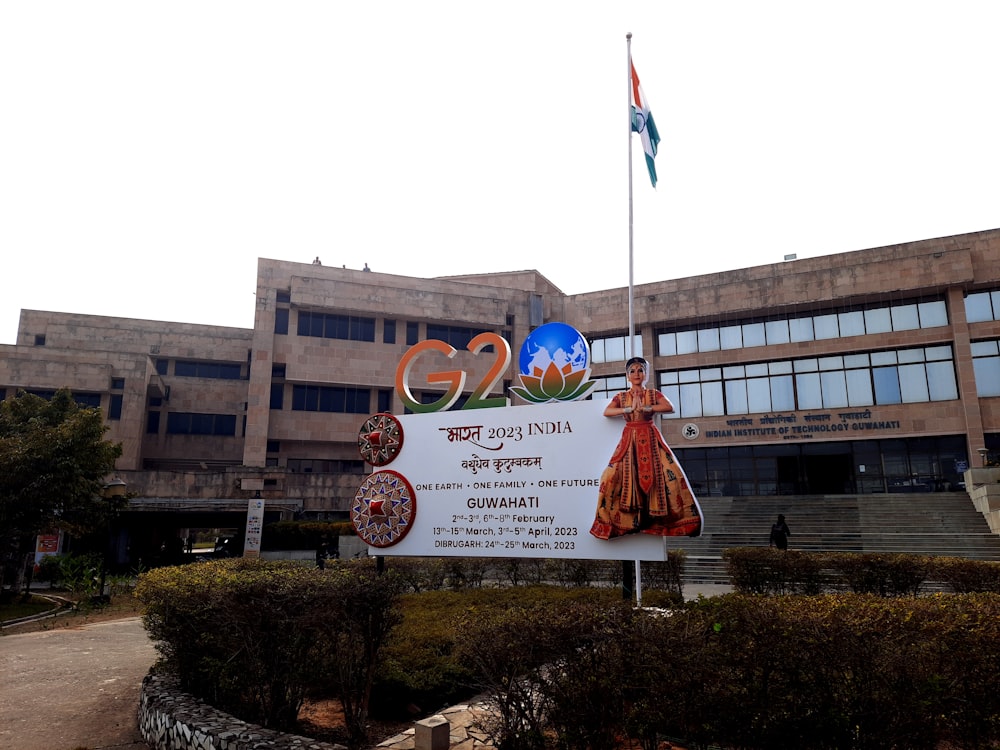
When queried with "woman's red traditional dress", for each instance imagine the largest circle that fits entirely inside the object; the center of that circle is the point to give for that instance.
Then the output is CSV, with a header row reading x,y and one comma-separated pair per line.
x,y
644,490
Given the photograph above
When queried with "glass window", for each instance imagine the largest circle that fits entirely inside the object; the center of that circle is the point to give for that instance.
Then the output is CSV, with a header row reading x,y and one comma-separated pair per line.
x,y
913,383
688,376
666,378
153,423
782,393
825,327
711,397
759,394
614,349
941,382
666,344
883,358
687,342
801,329
859,388
731,337
808,390
878,320
984,348
776,331
978,307
910,355
806,365
936,353
831,363
780,368
672,392
277,395
852,323
412,333
756,371
904,317
281,321
708,340
886,385
834,385
933,314
736,397
987,370
115,408
753,334
388,331
738,371
855,360
690,398
711,373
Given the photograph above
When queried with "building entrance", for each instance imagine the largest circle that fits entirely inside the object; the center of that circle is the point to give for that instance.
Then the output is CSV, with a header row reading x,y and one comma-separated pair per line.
x,y
827,474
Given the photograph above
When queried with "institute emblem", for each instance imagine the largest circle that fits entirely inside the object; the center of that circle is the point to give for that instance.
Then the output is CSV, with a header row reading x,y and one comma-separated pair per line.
x,y
380,439
384,508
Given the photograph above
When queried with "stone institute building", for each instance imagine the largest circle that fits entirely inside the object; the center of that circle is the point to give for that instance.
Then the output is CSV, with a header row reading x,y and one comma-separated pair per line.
x,y
875,371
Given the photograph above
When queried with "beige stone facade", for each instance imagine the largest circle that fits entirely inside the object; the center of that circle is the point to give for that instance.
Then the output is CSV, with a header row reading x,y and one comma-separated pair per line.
x,y
208,416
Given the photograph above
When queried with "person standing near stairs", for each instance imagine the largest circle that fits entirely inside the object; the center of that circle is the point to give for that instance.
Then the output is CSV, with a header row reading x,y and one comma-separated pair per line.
x,y
780,533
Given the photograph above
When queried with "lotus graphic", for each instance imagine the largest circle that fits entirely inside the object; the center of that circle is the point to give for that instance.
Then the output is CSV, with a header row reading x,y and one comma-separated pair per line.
x,y
554,364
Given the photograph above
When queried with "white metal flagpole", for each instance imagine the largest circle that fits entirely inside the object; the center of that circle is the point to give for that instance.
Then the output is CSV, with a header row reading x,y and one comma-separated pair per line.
x,y
631,293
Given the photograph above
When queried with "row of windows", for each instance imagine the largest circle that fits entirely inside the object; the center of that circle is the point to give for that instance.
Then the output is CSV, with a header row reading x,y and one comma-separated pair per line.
x,y
808,328
343,399
879,378
869,466
352,328
986,365
982,306
331,398
615,349
192,423
194,369
325,466
332,326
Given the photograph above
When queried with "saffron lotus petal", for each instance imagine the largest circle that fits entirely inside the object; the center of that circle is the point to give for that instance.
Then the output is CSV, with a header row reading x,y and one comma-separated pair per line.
x,y
553,381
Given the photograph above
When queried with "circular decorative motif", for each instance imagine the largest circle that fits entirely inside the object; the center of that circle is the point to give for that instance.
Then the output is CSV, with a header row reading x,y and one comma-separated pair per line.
x,y
690,431
384,508
380,439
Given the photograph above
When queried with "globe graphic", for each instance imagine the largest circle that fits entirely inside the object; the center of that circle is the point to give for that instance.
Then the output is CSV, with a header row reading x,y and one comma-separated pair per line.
x,y
556,343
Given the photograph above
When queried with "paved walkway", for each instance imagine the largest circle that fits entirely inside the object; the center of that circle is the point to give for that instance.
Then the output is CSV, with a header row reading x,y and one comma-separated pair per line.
x,y
73,688
78,688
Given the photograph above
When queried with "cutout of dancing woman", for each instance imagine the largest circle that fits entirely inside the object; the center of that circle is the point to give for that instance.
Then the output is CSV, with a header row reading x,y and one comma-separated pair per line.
x,y
643,490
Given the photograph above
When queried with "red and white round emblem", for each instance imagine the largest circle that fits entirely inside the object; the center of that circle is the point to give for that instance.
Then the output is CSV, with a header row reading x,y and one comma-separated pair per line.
x,y
380,439
384,508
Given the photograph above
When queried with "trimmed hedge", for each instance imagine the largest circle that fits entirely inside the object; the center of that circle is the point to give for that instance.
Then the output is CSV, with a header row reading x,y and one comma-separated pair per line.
x,y
252,637
763,570
842,672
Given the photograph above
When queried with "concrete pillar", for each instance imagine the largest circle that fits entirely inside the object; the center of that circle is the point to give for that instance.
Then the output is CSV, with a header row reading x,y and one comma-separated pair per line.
x,y
432,733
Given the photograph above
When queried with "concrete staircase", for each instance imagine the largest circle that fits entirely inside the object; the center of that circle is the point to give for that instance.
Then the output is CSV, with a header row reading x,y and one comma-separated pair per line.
x,y
939,523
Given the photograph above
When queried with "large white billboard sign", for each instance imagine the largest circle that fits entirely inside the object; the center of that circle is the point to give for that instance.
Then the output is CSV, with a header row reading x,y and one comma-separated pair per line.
x,y
500,482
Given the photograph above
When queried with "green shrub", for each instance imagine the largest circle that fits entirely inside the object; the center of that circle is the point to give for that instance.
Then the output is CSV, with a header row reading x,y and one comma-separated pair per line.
x,y
252,637
967,576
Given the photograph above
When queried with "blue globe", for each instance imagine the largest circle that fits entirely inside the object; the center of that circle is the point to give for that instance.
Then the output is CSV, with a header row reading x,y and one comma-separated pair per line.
x,y
558,343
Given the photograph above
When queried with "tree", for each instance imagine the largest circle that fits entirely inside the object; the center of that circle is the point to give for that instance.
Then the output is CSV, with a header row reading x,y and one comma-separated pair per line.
x,y
53,464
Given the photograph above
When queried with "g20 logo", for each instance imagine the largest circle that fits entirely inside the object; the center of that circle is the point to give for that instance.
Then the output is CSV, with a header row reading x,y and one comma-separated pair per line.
x,y
554,365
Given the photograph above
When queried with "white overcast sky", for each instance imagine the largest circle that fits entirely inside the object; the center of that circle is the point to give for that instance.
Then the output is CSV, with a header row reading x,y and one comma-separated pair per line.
x,y
150,152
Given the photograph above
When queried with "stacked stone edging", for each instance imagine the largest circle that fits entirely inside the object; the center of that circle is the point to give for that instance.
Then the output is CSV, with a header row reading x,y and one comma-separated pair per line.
x,y
170,719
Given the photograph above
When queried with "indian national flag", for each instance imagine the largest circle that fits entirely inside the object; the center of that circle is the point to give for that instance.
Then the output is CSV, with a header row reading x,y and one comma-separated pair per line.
x,y
642,123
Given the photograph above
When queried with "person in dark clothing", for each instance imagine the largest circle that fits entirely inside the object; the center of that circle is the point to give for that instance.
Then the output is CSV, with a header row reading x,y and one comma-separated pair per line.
x,y
780,533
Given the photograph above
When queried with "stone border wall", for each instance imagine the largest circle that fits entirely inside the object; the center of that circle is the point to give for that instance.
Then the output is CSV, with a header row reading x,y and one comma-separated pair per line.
x,y
170,719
